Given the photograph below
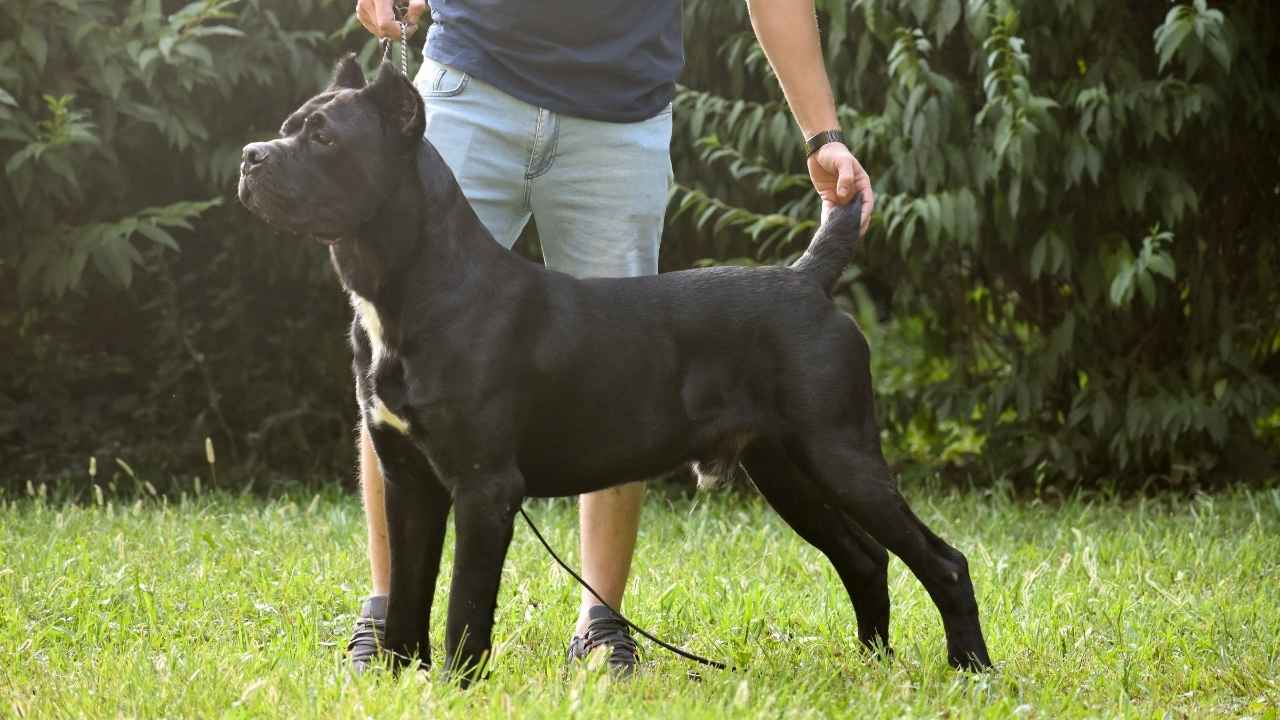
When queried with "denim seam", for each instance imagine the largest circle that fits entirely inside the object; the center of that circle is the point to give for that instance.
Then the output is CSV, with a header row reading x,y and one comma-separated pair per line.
x,y
548,158
533,153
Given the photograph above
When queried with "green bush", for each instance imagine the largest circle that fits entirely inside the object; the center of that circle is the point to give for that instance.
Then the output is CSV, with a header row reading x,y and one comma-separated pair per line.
x,y
1072,275
1075,223
121,131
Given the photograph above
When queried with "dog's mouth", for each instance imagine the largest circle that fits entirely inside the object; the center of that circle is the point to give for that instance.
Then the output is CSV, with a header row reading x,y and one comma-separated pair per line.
x,y
279,211
260,201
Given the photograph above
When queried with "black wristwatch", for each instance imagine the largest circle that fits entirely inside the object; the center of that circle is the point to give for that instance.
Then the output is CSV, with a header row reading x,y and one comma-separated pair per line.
x,y
812,145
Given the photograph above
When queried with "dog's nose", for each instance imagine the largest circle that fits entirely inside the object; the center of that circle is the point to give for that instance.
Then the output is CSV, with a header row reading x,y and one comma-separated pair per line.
x,y
255,154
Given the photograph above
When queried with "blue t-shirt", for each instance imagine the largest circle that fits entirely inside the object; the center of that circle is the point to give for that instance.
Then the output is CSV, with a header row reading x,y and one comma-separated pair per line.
x,y
614,60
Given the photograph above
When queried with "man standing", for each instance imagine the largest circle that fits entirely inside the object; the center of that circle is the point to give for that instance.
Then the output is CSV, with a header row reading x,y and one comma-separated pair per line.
x,y
560,110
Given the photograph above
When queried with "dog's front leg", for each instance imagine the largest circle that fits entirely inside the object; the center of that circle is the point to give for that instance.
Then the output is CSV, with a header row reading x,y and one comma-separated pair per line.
x,y
417,508
485,508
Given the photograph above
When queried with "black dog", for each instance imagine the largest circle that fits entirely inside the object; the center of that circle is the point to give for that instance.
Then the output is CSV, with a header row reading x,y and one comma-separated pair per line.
x,y
485,378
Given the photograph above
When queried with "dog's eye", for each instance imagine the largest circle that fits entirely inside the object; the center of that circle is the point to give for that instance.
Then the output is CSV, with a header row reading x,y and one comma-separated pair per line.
x,y
315,126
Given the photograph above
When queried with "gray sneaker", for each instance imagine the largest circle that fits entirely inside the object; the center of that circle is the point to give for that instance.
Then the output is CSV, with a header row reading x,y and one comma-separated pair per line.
x,y
605,628
370,631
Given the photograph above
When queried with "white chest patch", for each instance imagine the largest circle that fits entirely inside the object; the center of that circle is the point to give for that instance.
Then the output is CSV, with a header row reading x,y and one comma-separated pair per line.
x,y
382,415
372,324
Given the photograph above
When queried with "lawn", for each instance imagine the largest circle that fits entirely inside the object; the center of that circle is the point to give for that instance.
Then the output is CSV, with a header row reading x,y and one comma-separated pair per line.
x,y
223,605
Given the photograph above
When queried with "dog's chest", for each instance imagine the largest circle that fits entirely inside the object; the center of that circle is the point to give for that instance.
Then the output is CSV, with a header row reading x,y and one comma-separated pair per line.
x,y
387,402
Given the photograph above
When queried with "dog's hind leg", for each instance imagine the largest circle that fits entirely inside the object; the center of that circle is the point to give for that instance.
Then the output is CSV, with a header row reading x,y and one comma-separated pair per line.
x,y
856,479
417,508
860,561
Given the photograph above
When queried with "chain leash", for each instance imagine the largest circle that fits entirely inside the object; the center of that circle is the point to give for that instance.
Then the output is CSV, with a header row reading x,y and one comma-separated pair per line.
x,y
399,9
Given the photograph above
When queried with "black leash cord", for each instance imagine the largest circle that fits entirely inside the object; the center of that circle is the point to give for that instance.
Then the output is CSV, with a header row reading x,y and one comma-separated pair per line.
x,y
678,651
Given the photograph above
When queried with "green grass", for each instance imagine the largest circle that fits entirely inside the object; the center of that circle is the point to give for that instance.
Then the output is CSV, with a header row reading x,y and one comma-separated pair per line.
x,y
230,606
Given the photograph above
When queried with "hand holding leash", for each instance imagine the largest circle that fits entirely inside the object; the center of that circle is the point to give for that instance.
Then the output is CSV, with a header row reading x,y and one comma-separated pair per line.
x,y
391,22
388,21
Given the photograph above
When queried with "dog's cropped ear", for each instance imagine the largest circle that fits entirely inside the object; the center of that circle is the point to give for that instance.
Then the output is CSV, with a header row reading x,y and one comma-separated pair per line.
x,y
399,101
347,74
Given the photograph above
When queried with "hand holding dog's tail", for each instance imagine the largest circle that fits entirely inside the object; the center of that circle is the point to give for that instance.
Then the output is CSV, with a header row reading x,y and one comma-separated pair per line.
x,y
832,246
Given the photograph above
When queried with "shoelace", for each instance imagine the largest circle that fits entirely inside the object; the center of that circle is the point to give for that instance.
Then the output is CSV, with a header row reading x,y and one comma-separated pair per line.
x,y
613,633
369,632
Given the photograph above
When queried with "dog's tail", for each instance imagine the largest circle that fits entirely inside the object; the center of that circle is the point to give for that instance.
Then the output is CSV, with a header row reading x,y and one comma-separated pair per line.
x,y
832,246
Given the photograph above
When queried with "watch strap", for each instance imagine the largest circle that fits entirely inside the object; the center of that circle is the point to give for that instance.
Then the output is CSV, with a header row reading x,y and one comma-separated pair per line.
x,y
813,144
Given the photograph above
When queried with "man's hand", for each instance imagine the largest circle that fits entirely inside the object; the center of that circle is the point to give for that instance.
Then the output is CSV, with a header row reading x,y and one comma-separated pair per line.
x,y
838,177
378,18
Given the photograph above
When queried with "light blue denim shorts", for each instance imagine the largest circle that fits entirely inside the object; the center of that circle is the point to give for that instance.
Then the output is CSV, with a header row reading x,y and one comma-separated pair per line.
x,y
596,190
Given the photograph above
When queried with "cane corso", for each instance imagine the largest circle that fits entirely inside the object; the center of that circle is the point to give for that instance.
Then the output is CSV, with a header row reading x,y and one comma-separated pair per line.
x,y
485,378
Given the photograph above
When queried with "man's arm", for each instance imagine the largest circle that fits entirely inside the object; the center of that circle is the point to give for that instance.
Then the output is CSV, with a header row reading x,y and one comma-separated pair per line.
x,y
788,32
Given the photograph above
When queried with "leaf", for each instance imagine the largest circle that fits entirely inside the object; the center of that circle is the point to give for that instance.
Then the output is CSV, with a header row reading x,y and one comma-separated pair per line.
x,y
933,220
1093,161
158,235
920,9
19,158
113,79
1037,257
196,52
146,57
1161,264
227,30
1100,411
58,163
1122,286
166,47
1134,185
707,213
837,25
14,133
1064,335
33,41
1220,50
7,99
113,261
1147,286
1015,196
947,17
1169,37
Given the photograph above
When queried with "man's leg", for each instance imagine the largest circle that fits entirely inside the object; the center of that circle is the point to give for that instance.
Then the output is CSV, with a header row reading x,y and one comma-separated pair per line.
x,y
370,629
599,198
607,523
375,515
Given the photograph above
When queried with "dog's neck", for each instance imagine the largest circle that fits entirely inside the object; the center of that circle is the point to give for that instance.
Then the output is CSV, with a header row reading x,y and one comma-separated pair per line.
x,y
366,260
425,233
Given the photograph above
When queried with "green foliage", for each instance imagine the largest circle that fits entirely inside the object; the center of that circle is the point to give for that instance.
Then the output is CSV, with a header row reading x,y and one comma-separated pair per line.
x,y
1075,221
1072,272
121,125
66,184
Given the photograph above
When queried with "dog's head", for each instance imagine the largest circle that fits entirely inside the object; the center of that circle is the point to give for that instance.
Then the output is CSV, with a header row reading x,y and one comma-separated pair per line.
x,y
338,157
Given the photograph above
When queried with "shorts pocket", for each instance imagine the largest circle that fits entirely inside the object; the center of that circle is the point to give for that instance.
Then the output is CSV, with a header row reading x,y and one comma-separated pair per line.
x,y
442,81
